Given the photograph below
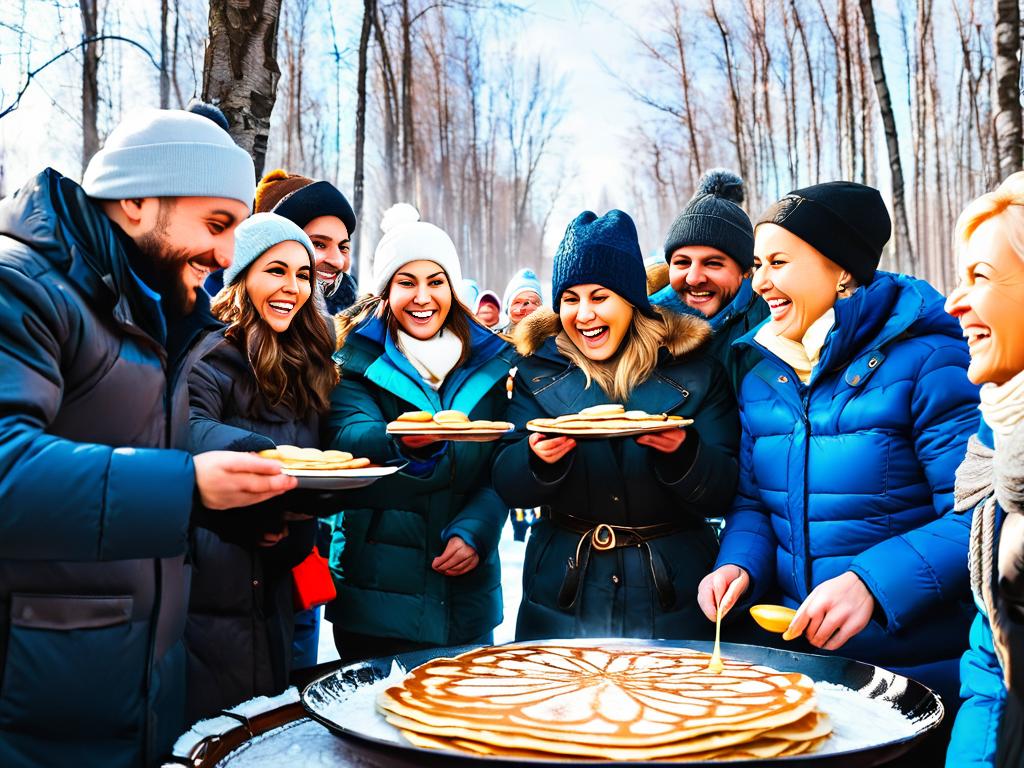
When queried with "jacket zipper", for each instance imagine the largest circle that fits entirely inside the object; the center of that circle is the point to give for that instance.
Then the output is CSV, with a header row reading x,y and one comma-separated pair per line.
x,y
805,399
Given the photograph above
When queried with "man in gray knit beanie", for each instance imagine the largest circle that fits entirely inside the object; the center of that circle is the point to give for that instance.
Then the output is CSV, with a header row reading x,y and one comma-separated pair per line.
x,y
100,296
710,251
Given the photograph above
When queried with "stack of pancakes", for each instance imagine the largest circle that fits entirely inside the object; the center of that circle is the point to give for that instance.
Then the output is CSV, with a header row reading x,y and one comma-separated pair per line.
x,y
606,417
625,703
292,457
442,421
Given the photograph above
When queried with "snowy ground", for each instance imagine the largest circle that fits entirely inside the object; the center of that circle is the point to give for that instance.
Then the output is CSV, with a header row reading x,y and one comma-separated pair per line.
x,y
511,553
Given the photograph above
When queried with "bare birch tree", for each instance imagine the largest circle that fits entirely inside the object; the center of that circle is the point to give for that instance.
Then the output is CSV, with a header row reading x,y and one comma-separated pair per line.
x,y
240,73
904,250
1009,142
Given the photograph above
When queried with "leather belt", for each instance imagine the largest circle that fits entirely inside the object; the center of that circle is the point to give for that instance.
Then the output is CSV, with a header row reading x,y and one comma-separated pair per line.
x,y
604,537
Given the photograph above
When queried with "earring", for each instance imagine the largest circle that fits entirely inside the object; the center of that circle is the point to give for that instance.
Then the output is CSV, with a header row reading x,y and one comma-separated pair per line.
x,y
841,288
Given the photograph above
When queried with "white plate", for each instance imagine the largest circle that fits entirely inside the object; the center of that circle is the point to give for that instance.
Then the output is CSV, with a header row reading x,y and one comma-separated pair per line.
x,y
456,435
339,479
663,426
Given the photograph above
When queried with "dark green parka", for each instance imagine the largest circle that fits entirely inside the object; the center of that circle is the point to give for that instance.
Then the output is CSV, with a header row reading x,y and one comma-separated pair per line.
x,y
384,541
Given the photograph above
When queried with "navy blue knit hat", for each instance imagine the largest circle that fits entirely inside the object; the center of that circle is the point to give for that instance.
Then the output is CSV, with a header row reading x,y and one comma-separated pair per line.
x,y
321,198
714,218
604,251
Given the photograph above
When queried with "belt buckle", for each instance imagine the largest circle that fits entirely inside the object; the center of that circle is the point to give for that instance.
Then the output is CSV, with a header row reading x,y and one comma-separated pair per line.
x,y
603,537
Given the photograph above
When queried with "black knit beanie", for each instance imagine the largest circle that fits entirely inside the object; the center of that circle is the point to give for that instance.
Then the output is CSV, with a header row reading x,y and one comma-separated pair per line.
x,y
846,222
604,251
714,218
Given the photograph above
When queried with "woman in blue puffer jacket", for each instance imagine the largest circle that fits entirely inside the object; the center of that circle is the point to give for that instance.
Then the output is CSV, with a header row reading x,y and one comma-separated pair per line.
x,y
854,422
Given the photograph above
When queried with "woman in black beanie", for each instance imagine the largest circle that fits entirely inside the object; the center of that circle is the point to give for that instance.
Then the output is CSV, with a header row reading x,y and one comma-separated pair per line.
x,y
854,422
605,343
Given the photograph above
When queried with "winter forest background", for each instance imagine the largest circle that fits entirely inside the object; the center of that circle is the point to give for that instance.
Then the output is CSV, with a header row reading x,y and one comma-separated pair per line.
x,y
503,120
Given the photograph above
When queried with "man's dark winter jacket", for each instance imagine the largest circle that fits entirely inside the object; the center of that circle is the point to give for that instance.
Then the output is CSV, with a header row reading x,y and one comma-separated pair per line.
x,y
94,508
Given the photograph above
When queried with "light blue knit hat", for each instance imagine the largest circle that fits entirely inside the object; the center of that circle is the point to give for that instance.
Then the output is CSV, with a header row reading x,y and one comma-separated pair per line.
x,y
258,234
170,153
523,280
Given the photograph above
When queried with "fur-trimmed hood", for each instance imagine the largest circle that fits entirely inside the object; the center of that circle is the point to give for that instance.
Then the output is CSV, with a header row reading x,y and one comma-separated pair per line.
x,y
683,333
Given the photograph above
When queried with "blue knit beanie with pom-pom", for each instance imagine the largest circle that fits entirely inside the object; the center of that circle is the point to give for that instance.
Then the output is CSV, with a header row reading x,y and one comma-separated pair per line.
x,y
714,218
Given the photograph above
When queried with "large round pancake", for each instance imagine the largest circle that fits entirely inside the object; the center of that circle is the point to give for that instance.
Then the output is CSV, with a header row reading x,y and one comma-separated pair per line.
x,y
708,742
596,697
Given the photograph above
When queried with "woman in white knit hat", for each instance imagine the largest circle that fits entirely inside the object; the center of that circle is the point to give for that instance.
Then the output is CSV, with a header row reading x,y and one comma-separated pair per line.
x,y
415,555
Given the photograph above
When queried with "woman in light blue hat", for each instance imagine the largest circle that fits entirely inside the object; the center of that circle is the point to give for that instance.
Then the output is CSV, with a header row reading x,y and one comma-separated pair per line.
x,y
261,381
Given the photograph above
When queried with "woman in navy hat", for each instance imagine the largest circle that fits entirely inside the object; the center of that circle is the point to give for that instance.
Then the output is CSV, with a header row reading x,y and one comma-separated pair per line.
x,y
622,551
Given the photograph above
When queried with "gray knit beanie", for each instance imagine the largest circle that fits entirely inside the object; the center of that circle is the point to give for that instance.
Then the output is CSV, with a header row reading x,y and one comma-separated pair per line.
x,y
714,218
170,153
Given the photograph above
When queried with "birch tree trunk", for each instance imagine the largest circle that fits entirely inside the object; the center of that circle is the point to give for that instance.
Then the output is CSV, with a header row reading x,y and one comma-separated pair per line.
x,y
904,251
358,180
90,80
240,72
1010,144
165,78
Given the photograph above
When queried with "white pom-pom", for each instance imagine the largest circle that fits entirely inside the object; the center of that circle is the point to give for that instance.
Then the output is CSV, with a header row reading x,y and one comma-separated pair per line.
x,y
398,214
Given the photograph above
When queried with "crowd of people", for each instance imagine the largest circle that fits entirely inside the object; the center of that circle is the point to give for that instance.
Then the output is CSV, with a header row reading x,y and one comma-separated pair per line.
x,y
168,318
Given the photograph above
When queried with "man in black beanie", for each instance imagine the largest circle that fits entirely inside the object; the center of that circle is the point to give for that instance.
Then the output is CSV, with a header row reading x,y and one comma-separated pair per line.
x,y
710,253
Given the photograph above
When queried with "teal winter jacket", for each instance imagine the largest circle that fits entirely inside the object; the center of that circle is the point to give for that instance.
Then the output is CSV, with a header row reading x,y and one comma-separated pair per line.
x,y
384,541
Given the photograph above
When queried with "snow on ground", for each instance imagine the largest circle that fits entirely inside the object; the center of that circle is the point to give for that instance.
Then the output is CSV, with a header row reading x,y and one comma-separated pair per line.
x,y
511,553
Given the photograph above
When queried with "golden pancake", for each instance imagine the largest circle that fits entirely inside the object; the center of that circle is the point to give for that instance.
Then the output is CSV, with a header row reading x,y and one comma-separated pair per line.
x,y
605,408
292,457
415,416
604,418
450,417
606,703
443,421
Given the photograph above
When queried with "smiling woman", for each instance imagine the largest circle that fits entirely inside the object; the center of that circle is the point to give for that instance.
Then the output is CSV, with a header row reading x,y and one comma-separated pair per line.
x,y
989,303
416,562
855,416
261,381
607,343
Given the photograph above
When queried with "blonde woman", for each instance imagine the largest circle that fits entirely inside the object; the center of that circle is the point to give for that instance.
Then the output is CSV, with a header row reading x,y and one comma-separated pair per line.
x,y
606,344
989,302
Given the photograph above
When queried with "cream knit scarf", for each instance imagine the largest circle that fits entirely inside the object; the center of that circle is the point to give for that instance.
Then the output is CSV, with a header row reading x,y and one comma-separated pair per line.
x,y
433,358
801,355
1002,405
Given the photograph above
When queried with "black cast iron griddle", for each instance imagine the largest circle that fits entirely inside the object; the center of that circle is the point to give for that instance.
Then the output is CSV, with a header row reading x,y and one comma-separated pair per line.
x,y
335,701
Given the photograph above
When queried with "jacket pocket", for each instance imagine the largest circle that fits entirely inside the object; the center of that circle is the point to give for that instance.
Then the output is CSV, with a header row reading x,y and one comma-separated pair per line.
x,y
75,667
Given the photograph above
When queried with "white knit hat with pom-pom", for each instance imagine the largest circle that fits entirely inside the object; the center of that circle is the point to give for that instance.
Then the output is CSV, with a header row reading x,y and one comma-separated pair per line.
x,y
408,239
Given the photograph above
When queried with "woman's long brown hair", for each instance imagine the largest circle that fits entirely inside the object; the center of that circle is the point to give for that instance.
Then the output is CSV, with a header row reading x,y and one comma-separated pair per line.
x,y
294,365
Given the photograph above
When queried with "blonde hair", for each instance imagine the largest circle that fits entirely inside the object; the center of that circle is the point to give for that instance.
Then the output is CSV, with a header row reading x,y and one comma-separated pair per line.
x,y
632,365
1008,199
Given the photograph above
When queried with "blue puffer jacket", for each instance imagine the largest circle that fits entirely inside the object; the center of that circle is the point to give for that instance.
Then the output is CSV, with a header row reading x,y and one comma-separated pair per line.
x,y
854,472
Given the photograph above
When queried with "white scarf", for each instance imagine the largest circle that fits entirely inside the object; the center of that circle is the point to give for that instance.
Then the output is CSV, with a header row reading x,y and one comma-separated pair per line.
x,y
433,358
1002,405
802,356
